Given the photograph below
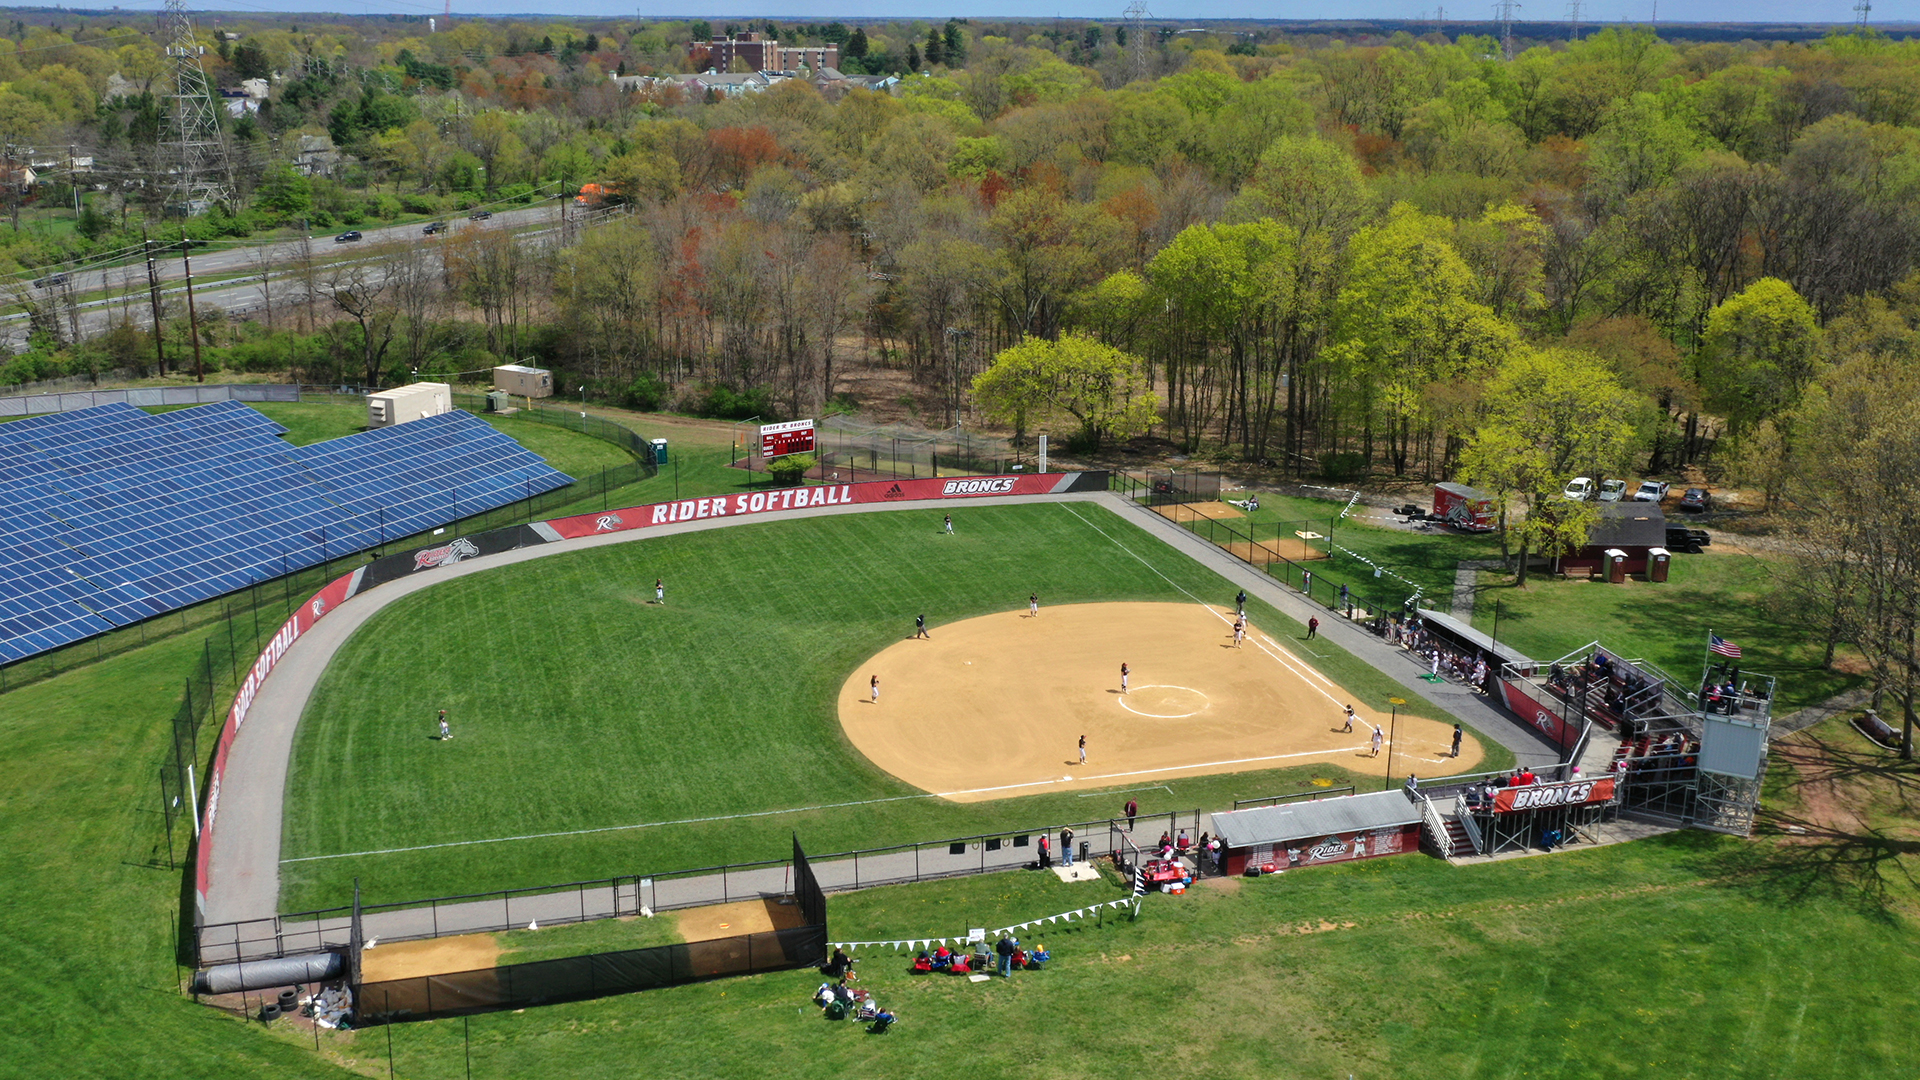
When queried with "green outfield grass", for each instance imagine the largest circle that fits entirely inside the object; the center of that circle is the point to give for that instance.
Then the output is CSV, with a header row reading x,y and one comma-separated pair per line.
x,y
578,705
1741,597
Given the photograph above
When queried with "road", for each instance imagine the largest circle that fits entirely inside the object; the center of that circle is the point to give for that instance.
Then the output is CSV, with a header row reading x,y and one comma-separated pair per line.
x,y
127,291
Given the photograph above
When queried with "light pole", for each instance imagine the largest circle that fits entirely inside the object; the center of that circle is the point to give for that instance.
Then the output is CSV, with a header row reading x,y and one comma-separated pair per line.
x,y
1393,725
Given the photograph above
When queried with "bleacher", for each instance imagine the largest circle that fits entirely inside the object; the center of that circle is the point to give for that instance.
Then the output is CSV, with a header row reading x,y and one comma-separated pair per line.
x,y
111,515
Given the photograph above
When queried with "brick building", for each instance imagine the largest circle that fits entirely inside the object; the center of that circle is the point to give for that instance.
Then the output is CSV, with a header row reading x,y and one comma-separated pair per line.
x,y
765,54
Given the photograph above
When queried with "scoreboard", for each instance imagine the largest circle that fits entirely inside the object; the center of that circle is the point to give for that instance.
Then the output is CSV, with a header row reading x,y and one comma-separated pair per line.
x,y
792,437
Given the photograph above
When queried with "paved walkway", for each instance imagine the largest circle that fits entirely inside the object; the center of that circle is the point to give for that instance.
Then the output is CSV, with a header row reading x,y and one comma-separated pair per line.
x,y
245,859
1466,586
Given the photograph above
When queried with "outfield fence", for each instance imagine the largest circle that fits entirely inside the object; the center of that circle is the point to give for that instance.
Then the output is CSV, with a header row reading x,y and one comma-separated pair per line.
x,y
637,894
848,451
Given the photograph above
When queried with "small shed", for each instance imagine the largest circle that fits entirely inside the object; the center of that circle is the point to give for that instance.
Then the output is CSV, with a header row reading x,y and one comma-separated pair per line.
x,y
1633,529
1338,829
411,402
522,381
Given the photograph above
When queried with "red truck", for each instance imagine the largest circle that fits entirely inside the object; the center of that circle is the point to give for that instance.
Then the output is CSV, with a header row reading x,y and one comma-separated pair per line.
x,y
1464,508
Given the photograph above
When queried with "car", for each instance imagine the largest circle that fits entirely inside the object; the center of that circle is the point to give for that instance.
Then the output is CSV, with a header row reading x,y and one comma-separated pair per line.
x,y
347,237
432,227
1681,538
50,281
1578,489
1696,499
480,215
1650,491
1612,490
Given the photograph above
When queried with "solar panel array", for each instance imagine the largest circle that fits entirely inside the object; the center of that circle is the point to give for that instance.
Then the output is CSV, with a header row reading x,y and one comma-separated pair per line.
x,y
111,515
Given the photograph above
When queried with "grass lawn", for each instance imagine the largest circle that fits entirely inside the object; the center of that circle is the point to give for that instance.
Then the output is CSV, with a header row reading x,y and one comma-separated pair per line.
x,y
1673,957
1740,597
576,705
85,891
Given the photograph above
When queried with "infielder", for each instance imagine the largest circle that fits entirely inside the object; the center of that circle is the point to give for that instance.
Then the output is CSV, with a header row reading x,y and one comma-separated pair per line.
x,y
874,685
1376,740
1123,676
920,627
1033,605
1239,631
1083,750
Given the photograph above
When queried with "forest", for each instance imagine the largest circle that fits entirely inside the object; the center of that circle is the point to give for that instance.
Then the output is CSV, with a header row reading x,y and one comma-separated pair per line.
x,y
1334,256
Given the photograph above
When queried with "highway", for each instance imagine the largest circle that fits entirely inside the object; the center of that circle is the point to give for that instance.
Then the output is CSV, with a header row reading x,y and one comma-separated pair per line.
x,y
122,291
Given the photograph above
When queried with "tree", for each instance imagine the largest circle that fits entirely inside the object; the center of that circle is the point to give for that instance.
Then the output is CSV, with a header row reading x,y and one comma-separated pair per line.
x,y
856,45
1547,413
1097,387
1758,352
363,291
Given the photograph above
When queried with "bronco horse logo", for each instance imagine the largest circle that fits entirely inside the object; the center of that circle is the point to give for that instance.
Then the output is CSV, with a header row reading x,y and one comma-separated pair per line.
x,y
445,554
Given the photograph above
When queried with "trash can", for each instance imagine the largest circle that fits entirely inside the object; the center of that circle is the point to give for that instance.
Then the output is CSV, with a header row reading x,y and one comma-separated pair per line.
x,y
1086,851
659,451
1657,560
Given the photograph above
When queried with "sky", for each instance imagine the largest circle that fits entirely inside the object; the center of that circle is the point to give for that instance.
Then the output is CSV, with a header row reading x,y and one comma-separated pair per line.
x,y
1595,12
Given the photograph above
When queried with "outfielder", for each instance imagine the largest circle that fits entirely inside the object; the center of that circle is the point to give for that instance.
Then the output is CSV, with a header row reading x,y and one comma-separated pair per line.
x,y
445,731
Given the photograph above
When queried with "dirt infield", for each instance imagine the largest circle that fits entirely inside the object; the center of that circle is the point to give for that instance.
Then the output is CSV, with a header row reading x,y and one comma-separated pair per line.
x,y
730,920
439,956
994,707
1267,551
1218,511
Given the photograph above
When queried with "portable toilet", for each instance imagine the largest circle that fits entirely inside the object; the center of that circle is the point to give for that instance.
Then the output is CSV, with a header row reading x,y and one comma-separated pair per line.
x,y
1657,561
1616,566
659,451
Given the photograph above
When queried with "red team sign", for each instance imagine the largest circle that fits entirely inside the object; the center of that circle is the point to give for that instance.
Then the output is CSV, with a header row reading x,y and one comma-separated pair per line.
x,y
792,437
1536,796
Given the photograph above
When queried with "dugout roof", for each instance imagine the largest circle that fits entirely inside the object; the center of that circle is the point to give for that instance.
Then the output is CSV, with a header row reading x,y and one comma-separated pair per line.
x,y
1460,633
1311,820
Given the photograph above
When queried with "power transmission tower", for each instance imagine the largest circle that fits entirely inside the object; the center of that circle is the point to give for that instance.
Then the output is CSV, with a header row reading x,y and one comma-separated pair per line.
x,y
1504,12
1137,16
1863,9
1573,20
192,142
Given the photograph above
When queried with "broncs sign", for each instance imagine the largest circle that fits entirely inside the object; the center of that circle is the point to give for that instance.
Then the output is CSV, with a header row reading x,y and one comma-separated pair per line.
x,y
1536,796
792,437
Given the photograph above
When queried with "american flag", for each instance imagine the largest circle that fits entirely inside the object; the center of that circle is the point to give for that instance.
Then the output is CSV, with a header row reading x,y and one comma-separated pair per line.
x,y
1723,647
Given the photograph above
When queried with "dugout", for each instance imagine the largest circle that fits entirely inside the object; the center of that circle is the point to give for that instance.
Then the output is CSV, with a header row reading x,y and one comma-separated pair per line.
x,y
1446,632
1340,829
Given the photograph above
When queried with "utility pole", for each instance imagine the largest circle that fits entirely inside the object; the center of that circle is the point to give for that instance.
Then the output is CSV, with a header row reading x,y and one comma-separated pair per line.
x,y
1573,19
192,138
153,291
1504,12
193,321
1137,16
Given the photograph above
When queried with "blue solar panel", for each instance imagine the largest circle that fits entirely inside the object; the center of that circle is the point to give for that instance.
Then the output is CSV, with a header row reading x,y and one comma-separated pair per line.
x,y
111,515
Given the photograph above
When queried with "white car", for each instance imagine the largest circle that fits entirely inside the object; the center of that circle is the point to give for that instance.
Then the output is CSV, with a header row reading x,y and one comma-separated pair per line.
x,y
1612,490
1650,491
1579,489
